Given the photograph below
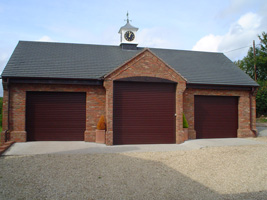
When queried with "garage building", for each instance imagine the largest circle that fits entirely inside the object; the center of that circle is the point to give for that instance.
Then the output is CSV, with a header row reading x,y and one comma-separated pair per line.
x,y
58,91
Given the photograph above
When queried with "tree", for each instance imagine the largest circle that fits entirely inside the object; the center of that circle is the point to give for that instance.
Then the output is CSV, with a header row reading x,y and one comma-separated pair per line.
x,y
247,63
263,57
261,98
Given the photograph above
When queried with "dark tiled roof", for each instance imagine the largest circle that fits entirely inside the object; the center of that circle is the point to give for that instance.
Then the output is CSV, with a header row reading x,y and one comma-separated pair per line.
x,y
83,61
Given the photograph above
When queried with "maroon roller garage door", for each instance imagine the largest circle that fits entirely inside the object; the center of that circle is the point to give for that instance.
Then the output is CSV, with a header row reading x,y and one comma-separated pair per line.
x,y
216,117
144,113
55,116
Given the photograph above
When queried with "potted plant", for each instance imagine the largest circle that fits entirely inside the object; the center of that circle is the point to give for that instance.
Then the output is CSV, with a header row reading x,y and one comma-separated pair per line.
x,y
185,126
101,130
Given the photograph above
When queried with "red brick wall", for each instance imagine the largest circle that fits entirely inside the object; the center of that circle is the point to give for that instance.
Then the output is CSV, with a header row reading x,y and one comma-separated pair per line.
x,y
244,129
145,64
95,107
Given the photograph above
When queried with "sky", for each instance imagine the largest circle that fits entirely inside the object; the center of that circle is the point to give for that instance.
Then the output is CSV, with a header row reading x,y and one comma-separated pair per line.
x,y
206,25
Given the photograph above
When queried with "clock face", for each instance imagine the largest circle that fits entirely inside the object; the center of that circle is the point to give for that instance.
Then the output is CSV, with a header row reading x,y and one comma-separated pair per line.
x,y
129,36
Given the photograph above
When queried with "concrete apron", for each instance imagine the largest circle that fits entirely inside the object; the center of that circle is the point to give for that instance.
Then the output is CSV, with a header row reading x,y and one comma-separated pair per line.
x,y
262,130
80,147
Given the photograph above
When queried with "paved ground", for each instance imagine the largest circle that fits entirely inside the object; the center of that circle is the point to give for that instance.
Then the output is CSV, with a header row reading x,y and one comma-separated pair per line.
x,y
261,124
197,169
262,130
31,148
216,172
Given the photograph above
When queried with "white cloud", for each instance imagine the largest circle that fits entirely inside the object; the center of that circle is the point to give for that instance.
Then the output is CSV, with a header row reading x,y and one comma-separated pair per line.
x,y
208,43
240,34
45,38
249,21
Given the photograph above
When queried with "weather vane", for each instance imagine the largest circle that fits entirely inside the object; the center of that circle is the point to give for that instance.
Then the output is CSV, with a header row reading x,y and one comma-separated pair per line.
x,y
127,18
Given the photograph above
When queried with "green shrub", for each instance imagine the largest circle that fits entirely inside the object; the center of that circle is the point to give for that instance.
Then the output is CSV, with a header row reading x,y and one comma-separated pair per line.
x,y
101,125
185,124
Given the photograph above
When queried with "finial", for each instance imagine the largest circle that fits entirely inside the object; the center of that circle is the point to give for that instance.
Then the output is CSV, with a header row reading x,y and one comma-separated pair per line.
x,y
127,15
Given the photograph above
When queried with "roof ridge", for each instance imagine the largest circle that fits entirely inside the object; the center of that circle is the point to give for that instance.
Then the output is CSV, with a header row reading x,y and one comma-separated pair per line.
x,y
45,42
113,45
185,50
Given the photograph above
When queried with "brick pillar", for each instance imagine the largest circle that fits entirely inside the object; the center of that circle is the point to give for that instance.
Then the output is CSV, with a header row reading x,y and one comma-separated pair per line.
x,y
244,117
180,135
17,115
89,133
253,113
189,102
95,104
108,84
4,116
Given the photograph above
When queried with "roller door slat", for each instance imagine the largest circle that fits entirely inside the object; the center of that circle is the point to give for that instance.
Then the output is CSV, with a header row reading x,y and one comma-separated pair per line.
x,y
55,116
216,116
143,113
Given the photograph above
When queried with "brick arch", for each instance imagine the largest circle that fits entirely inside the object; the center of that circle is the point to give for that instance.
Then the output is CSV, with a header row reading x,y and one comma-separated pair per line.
x,y
146,79
148,64
145,65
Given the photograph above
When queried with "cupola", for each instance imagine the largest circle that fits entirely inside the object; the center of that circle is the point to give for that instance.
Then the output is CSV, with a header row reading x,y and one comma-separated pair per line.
x,y
128,36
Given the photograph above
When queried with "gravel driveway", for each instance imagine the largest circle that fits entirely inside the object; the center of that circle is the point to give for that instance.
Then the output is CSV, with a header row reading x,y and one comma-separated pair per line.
x,y
233,172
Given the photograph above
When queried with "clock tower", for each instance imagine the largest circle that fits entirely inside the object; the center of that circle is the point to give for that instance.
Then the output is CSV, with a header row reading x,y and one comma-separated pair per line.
x,y
128,36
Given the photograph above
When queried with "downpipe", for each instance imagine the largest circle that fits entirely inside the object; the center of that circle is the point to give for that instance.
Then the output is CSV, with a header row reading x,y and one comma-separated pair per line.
x,y
251,114
7,132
